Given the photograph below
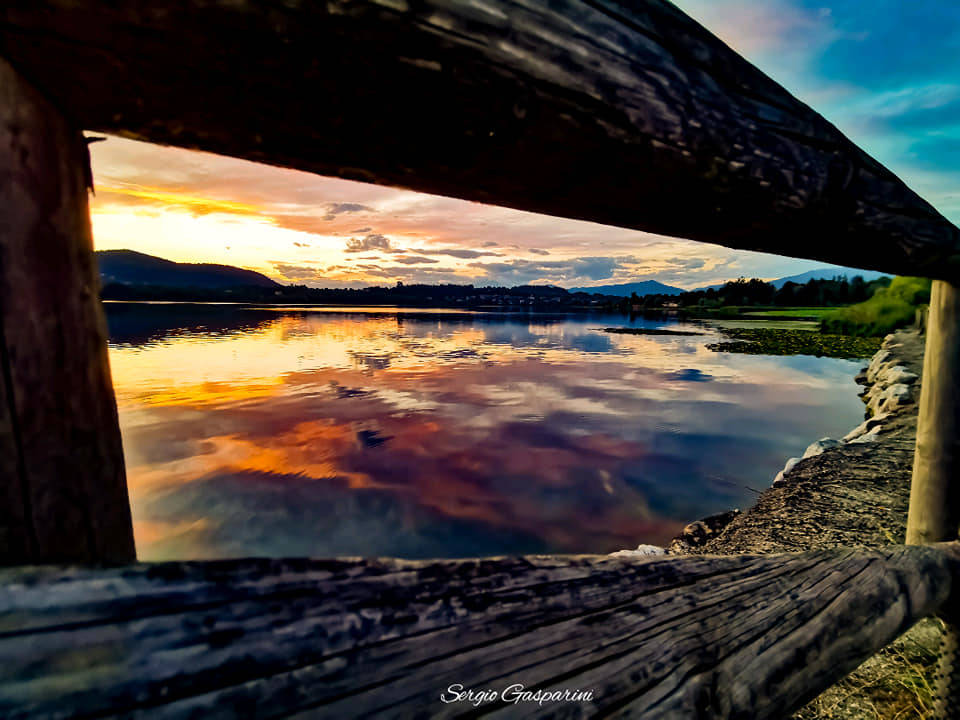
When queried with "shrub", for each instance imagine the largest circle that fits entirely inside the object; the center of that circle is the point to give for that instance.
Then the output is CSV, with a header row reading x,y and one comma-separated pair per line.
x,y
890,308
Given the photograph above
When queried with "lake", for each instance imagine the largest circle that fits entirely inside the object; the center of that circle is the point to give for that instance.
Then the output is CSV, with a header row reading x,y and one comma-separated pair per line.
x,y
383,432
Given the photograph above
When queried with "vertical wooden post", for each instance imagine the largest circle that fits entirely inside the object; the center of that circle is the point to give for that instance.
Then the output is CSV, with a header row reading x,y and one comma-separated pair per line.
x,y
935,491
63,496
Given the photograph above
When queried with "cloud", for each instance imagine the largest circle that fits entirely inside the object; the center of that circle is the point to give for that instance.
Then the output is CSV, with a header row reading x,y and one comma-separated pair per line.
x,y
938,153
194,203
415,260
298,273
334,209
417,274
687,263
538,251
461,253
758,29
917,108
521,271
368,243
890,43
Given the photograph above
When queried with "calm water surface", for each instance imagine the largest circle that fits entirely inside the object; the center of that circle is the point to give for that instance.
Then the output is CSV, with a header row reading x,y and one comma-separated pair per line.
x,y
344,431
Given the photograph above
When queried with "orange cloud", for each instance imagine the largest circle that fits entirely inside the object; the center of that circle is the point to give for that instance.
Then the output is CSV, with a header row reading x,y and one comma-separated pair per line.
x,y
196,204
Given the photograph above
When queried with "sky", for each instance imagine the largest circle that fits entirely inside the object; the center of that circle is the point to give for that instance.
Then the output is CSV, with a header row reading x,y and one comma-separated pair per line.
x,y
886,72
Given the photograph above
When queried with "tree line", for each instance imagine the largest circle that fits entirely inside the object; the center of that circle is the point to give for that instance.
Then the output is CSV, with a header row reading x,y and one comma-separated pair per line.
x,y
814,293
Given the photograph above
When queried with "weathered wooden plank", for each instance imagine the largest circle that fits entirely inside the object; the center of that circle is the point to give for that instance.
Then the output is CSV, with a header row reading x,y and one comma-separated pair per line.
x,y
627,114
736,636
64,484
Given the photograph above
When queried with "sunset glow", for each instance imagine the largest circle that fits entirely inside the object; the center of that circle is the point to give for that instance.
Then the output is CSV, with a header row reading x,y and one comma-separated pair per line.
x,y
300,228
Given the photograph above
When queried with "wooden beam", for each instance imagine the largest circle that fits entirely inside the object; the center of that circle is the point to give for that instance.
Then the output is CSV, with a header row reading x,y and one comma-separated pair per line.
x,y
64,490
627,114
669,637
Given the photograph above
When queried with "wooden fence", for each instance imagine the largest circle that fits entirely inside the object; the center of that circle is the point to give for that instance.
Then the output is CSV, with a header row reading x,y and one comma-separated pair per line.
x,y
629,114
690,637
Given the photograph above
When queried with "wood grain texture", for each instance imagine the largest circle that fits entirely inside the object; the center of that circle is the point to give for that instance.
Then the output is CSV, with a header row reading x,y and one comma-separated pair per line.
x,y
628,114
736,636
935,488
64,486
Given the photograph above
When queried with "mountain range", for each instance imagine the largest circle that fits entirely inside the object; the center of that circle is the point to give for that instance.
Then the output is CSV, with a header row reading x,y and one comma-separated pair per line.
x,y
653,287
828,274
135,269
644,287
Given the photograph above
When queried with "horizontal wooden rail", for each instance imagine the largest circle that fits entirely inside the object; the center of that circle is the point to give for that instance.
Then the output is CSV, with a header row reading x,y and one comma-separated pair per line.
x,y
736,636
628,114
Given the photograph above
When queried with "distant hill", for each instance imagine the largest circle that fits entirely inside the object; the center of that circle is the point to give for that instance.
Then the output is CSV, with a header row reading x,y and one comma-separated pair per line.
x,y
828,274
816,274
646,287
127,267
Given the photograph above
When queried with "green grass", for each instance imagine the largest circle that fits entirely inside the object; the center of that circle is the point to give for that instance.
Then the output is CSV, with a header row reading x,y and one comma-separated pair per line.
x,y
895,684
798,312
759,312
890,308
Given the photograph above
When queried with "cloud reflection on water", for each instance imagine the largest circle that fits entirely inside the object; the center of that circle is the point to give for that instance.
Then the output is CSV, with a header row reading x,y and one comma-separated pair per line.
x,y
265,432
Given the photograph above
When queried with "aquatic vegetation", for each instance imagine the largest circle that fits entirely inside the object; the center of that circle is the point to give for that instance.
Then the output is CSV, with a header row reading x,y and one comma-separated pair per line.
x,y
770,341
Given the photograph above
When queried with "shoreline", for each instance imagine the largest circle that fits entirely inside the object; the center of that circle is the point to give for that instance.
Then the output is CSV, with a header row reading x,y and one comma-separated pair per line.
x,y
851,491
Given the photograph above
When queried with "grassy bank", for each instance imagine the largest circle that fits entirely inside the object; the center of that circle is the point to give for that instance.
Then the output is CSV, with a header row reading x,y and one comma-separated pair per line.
x,y
890,308
800,313
754,312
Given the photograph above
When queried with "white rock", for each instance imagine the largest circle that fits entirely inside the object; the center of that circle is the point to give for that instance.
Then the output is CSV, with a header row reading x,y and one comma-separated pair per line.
x,y
890,399
641,551
865,427
895,396
869,437
876,364
780,479
820,446
898,375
